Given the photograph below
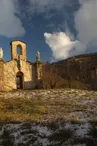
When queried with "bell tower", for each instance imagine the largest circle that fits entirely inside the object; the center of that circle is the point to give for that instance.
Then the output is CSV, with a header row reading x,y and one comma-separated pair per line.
x,y
15,45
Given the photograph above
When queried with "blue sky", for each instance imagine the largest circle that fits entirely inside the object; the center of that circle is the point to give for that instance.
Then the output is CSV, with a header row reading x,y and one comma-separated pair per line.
x,y
58,29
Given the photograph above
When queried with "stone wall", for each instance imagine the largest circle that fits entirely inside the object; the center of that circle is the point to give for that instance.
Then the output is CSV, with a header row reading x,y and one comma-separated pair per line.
x,y
10,71
37,70
1,74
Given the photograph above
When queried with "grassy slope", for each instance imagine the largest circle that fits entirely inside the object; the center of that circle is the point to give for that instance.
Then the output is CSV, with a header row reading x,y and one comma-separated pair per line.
x,y
48,105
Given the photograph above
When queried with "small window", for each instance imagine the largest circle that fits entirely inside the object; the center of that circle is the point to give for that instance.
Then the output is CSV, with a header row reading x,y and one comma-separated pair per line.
x,y
19,50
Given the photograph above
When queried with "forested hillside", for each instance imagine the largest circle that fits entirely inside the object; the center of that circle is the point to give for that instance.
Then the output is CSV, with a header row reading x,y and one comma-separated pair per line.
x,y
76,72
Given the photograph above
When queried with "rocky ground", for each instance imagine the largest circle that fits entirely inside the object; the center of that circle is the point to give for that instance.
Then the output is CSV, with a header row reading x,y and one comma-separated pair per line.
x,y
61,117
49,134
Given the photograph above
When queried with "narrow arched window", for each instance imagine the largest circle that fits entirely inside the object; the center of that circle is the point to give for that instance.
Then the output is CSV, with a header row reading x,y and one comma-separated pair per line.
x,y
19,50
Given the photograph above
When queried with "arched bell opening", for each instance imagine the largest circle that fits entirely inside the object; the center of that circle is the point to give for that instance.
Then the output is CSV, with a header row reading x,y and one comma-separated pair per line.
x,y
20,80
19,50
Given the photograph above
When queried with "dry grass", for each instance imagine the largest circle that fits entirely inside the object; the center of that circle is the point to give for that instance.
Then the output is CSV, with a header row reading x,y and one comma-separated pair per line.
x,y
45,105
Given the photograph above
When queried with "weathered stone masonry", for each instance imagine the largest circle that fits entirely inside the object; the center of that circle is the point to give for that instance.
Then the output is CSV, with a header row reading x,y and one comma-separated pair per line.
x,y
18,73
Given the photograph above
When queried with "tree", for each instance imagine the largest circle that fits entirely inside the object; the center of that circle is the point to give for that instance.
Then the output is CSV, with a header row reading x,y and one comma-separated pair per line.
x,y
52,77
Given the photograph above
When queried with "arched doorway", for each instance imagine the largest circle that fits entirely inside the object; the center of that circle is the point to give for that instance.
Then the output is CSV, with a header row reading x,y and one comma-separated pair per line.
x,y
20,80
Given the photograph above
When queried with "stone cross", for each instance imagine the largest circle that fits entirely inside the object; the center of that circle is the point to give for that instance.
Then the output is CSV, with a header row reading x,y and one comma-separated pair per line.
x,y
1,53
19,62
38,56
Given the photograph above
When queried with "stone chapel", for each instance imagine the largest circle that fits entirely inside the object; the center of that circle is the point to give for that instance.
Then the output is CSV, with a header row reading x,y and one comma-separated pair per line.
x,y
19,73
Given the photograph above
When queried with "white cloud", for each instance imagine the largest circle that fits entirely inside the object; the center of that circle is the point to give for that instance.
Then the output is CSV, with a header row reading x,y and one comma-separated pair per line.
x,y
86,22
62,46
10,24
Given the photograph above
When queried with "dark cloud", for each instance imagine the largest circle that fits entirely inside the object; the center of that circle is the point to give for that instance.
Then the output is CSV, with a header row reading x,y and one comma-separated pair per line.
x,y
10,24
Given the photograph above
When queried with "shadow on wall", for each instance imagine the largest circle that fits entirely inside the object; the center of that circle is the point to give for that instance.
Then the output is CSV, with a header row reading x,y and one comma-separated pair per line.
x,y
33,85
